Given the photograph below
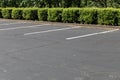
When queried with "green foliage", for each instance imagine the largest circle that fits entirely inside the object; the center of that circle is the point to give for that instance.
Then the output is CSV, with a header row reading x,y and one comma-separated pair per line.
x,y
42,14
17,13
6,13
55,14
30,14
9,3
107,16
0,12
70,15
60,3
118,17
88,16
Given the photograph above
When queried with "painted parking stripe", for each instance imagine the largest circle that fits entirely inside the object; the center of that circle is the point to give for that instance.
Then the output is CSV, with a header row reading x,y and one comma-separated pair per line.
x,y
13,23
87,35
22,27
53,30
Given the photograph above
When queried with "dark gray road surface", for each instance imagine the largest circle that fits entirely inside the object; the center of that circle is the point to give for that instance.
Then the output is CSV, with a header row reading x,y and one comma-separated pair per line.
x,y
48,55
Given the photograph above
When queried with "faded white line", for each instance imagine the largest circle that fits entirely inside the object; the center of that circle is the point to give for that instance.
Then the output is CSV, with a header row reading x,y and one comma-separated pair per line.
x,y
12,23
87,35
53,30
22,27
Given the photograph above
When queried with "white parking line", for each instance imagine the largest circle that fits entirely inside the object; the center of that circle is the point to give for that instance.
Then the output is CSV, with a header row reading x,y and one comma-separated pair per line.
x,y
87,35
12,23
53,30
22,27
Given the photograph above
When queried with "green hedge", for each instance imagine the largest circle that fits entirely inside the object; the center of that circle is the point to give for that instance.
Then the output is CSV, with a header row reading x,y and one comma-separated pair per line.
x,y
30,14
108,16
55,14
119,17
70,15
42,14
104,16
17,13
6,13
88,16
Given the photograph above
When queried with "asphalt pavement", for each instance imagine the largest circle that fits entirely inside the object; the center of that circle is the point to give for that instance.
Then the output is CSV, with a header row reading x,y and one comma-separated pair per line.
x,y
30,51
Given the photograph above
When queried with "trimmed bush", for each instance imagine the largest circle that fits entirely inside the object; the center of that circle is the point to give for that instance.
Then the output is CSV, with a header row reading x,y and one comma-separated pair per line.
x,y
105,16
30,14
70,15
17,13
42,14
6,13
118,17
55,14
108,16
88,16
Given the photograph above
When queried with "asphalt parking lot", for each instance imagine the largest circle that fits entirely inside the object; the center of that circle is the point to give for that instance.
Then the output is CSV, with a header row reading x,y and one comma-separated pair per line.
x,y
30,51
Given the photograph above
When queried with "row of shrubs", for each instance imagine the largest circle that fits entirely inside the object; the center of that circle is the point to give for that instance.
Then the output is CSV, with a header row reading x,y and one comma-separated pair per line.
x,y
104,16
